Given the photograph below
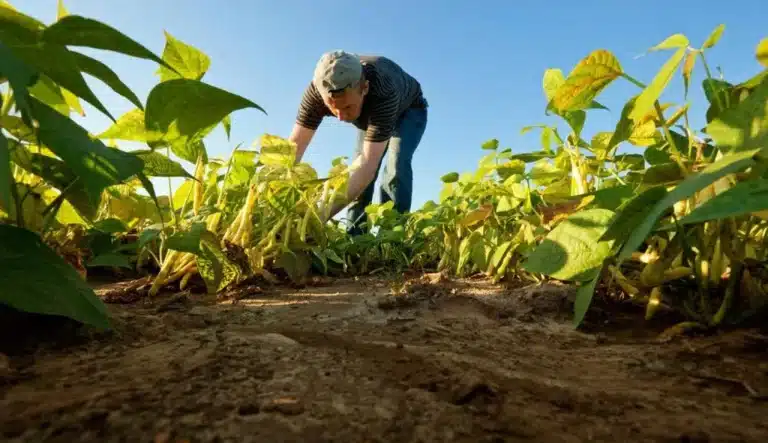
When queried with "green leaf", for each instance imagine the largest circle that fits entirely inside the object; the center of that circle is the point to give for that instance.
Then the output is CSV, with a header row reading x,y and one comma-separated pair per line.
x,y
97,165
714,37
743,198
745,126
5,174
60,64
215,268
110,226
74,30
147,236
572,251
187,241
645,101
242,168
188,61
296,265
56,288
693,183
130,127
17,28
150,188
531,157
181,108
590,77
51,94
20,76
543,173
662,174
656,156
583,299
451,177
102,72
672,42
159,165
630,213
110,260
612,197
762,52
58,175
227,123
491,145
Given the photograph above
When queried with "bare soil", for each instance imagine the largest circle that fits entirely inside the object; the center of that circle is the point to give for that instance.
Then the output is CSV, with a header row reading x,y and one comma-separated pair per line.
x,y
367,360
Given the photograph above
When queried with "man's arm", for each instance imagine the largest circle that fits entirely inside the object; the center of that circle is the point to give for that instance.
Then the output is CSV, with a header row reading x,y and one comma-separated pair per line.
x,y
361,176
301,136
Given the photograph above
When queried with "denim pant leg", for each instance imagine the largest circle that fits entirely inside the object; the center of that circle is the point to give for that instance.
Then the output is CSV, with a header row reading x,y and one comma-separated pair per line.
x,y
356,215
397,183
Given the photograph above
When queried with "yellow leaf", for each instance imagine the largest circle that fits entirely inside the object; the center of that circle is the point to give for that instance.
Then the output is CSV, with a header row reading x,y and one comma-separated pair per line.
x,y
590,76
476,216
762,52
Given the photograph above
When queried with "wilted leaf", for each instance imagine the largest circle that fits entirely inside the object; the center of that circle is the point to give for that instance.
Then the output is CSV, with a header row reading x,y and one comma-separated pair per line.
x,y
58,290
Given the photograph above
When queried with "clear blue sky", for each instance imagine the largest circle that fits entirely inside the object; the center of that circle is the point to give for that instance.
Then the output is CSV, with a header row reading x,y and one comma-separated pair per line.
x,y
480,63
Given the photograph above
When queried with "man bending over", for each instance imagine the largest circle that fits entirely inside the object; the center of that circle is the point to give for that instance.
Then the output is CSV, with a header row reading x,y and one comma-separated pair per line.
x,y
387,107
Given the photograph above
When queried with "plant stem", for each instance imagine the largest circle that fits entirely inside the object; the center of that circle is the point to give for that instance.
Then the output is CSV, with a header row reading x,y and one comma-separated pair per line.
x,y
668,134
634,81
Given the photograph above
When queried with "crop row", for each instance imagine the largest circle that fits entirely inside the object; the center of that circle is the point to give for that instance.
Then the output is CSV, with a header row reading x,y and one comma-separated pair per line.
x,y
681,225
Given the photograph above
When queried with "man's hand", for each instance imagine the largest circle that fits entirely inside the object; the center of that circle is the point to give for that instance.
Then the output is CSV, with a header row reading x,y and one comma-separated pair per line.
x,y
363,173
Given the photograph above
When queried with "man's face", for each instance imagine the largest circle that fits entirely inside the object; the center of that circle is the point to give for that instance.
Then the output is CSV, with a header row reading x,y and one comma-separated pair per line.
x,y
347,105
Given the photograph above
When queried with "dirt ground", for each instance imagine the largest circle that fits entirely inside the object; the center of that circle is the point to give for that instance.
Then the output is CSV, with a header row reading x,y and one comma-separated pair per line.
x,y
369,361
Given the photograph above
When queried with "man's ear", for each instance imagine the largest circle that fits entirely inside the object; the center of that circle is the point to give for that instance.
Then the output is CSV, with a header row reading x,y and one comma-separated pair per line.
x,y
365,85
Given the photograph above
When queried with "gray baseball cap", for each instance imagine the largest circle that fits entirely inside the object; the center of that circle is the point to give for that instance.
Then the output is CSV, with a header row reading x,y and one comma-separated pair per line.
x,y
337,70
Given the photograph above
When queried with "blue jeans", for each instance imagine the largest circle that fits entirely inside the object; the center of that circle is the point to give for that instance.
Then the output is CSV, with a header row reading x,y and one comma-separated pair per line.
x,y
397,183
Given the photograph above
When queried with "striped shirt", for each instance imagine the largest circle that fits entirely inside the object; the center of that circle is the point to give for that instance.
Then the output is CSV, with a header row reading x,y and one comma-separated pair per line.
x,y
391,92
